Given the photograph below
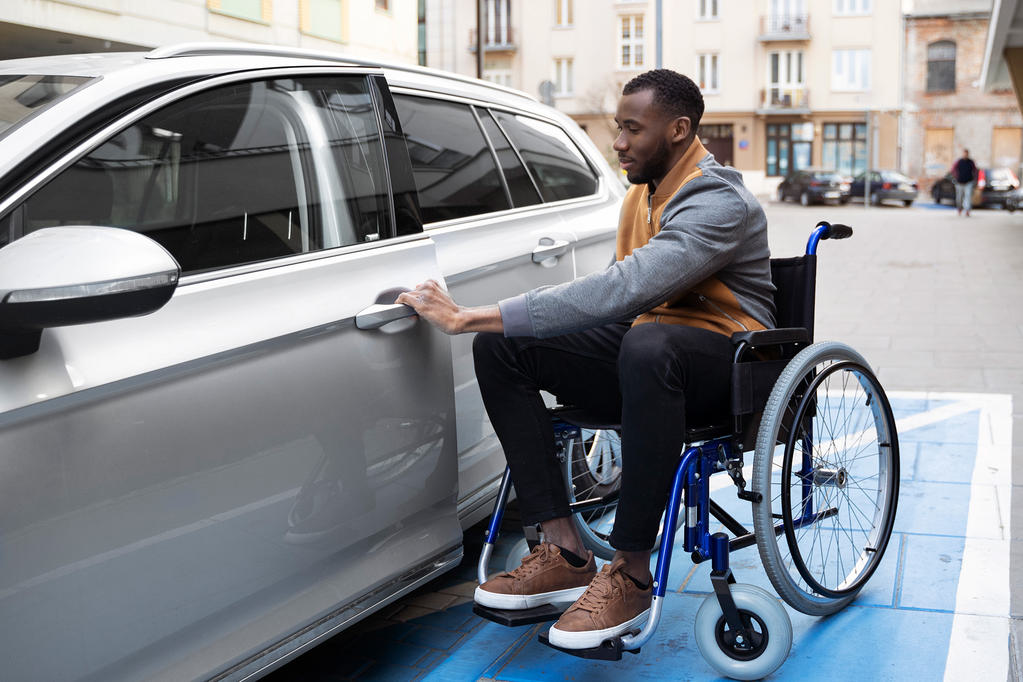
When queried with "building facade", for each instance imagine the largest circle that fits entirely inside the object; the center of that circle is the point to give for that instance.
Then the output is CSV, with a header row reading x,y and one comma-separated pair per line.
x,y
790,84
376,29
947,109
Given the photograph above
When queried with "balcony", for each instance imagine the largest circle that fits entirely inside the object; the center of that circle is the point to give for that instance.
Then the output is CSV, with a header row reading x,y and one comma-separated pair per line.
x,y
777,27
784,100
500,41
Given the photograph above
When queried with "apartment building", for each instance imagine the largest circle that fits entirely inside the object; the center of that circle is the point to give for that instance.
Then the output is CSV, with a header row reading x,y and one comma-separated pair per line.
x,y
787,83
377,29
947,108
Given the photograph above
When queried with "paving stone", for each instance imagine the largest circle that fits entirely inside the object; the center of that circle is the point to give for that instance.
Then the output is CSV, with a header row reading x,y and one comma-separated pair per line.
x,y
431,600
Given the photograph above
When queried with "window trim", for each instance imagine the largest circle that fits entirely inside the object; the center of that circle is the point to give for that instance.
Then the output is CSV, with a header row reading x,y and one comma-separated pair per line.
x,y
868,8
708,59
569,64
633,42
846,85
702,13
954,60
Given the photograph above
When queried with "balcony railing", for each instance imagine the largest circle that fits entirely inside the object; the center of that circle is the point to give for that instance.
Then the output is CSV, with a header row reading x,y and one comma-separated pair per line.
x,y
782,99
784,27
501,41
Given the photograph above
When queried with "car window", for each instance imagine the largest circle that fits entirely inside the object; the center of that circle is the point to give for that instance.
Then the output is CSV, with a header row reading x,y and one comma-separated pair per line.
x,y
234,175
555,162
1000,175
520,185
23,96
454,170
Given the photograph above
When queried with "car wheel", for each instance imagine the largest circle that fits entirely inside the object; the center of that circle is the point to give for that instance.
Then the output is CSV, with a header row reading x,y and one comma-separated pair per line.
x,y
781,195
804,199
907,202
875,200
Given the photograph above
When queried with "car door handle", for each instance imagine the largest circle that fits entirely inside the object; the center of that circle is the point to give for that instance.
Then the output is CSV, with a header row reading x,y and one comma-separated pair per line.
x,y
549,248
376,316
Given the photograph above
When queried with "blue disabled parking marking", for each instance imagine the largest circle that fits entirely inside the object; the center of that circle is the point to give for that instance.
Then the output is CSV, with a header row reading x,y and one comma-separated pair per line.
x,y
937,607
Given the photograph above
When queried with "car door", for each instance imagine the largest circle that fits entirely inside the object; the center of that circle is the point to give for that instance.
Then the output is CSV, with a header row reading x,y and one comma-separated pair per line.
x,y
264,458
493,184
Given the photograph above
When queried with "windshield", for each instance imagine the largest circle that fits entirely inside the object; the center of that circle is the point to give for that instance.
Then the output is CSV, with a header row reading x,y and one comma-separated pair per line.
x,y
22,96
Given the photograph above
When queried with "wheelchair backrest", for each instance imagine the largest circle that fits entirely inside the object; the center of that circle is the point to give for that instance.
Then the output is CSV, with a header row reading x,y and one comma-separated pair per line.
x,y
795,280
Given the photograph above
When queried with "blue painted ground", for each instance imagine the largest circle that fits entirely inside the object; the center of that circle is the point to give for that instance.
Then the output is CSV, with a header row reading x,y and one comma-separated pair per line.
x,y
905,625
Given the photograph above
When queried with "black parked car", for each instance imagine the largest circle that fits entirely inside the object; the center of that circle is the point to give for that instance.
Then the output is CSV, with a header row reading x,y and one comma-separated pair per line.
x,y
813,186
885,185
994,185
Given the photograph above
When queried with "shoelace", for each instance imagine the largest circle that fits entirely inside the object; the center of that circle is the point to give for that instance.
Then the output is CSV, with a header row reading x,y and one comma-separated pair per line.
x,y
602,588
540,554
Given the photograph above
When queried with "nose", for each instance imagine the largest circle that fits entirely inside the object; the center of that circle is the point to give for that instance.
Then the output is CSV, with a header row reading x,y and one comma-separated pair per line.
x,y
620,145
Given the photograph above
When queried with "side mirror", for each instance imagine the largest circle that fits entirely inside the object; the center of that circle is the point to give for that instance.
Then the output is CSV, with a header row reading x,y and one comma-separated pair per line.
x,y
60,276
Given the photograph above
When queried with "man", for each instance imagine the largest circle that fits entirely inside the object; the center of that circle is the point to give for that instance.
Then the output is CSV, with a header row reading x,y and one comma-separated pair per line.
x,y
645,341
964,173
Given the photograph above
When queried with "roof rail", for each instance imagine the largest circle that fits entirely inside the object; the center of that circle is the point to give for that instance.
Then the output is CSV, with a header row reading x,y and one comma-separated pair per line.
x,y
256,49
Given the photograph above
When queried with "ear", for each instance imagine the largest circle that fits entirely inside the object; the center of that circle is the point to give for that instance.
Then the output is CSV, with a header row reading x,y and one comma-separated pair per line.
x,y
681,128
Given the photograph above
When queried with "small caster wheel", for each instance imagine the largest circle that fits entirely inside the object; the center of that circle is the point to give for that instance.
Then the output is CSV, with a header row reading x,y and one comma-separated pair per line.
x,y
765,619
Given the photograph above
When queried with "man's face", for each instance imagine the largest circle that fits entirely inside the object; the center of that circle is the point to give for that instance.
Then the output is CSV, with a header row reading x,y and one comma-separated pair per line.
x,y
646,137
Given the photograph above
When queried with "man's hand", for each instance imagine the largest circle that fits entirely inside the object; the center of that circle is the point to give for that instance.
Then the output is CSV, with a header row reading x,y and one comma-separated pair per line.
x,y
434,305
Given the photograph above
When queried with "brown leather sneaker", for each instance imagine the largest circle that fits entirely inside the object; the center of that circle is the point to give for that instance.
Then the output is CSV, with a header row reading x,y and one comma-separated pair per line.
x,y
611,606
543,577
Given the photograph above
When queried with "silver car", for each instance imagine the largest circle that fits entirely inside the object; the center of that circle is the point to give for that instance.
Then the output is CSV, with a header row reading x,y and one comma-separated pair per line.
x,y
220,440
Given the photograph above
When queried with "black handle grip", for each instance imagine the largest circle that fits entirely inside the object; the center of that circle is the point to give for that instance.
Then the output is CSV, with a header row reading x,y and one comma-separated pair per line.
x,y
836,231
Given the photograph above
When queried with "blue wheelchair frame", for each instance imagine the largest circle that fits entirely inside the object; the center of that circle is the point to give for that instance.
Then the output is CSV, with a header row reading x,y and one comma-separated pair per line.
x,y
692,479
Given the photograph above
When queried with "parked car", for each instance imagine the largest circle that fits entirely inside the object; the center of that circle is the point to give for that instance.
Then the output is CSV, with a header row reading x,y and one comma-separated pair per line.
x,y
220,440
814,186
885,185
994,185
1014,201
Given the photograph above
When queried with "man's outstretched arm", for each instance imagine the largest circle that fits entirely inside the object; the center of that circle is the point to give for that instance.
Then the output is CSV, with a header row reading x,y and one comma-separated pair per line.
x,y
437,307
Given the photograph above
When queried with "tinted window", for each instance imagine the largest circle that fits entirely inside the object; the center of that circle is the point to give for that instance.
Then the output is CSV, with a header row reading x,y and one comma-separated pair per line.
x,y
455,172
523,191
235,175
557,165
24,96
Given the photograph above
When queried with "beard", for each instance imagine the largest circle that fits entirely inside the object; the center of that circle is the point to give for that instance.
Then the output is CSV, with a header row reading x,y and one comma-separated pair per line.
x,y
656,166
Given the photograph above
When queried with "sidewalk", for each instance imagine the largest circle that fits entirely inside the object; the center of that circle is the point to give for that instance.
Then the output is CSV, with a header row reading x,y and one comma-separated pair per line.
x,y
929,612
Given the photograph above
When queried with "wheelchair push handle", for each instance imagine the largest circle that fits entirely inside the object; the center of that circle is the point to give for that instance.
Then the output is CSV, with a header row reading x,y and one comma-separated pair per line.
x,y
826,230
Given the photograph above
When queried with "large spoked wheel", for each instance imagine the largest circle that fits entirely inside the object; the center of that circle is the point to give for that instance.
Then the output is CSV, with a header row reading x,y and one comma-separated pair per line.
x,y
768,626
827,467
593,469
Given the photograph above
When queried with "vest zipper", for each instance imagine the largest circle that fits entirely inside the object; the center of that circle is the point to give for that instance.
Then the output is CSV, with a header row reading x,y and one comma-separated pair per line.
x,y
649,209
715,306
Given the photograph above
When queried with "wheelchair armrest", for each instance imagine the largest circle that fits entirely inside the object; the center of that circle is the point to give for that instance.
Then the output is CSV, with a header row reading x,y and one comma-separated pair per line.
x,y
772,337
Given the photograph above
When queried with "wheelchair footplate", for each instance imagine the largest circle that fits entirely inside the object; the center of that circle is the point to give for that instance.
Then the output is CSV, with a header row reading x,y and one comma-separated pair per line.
x,y
515,617
609,649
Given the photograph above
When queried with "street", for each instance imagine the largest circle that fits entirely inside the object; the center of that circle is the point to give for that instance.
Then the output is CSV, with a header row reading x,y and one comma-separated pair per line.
x,y
935,303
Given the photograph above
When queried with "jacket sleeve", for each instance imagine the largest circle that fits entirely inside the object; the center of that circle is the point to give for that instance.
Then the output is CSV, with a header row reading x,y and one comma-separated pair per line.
x,y
701,227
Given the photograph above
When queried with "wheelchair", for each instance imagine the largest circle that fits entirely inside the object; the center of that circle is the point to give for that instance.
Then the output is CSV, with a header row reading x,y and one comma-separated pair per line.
x,y
823,487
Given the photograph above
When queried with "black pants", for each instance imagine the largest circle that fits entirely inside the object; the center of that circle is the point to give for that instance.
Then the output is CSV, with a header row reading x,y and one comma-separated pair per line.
x,y
651,378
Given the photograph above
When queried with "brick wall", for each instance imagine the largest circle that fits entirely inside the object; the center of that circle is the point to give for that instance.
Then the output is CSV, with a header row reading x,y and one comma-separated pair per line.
x,y
971,113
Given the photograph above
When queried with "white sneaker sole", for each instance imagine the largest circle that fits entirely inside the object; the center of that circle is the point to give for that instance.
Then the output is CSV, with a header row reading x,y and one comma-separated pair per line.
x,y
495,600
591,638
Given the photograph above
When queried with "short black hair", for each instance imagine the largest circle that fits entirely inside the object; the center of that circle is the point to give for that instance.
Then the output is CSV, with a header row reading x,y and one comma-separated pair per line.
x,y
677,95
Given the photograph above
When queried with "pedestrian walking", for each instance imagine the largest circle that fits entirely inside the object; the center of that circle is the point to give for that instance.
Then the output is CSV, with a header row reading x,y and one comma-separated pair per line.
x,y
964,173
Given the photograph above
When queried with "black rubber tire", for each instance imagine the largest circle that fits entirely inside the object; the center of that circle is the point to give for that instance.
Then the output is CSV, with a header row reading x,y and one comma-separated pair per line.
x,y
837,483
593,469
